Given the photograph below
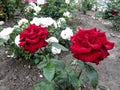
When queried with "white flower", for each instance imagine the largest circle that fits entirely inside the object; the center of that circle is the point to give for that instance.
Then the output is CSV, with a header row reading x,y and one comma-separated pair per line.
x,y
40,2
6,32
55,50
67,1
22,21
28,8
15,26
55,24
52,39
48,21
37,9
17,40
60,21
76,1
2,22
35,21
32,4
94,7
67,14
102,5
67,33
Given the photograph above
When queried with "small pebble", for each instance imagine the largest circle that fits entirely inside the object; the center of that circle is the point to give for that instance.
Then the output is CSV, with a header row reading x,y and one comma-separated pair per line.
x,y
40,76
112,34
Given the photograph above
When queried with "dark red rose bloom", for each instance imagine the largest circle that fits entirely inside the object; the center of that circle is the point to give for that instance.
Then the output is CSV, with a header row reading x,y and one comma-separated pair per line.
x,y
113,12
90,45
33,38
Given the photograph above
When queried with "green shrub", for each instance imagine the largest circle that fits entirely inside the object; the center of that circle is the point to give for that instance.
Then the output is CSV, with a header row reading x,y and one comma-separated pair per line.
x,y
11,7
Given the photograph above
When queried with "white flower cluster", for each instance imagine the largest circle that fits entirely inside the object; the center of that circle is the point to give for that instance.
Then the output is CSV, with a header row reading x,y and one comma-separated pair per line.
x,y
76,1
60,21
47,21
67,14
102,5
33,6
5,33
67,1
52,39
41,2
54,49
22,21
67,33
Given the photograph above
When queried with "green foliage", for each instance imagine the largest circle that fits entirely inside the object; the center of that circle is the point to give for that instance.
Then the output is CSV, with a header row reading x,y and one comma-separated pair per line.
x,y
67,76
92,75
116,22
102,88
44,86
87,4
42,64
11,7
113,5
59,46
54,9
1,41
49,71
59,64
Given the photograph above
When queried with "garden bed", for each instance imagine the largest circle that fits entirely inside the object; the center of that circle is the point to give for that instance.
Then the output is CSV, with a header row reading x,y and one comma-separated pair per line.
x,y
21,76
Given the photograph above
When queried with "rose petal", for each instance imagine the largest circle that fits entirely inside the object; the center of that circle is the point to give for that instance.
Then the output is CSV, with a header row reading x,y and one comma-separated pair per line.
x,y
22,43
90,57
79,49
32,41
109,45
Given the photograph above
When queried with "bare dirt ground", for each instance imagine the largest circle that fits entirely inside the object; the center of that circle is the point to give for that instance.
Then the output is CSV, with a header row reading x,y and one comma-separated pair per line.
x,y
20,76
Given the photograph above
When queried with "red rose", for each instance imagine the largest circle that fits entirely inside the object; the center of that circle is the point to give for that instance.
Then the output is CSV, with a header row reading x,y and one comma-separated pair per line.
x,y
33,38
90,45
113,12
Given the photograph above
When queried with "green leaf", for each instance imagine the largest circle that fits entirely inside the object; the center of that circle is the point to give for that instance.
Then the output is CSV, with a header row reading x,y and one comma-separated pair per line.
x,y
60,74
73,79
59,64
42,64
81,65
57,45
92,75
102,88
83,79
2,41
36,61
68,68
49,71
70,57
44,86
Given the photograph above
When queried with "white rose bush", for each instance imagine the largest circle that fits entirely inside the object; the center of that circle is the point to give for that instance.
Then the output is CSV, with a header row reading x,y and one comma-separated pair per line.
x,y
43,35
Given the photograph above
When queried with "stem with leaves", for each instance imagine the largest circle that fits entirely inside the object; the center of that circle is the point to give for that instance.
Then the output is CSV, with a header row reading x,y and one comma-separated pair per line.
x,y
43,53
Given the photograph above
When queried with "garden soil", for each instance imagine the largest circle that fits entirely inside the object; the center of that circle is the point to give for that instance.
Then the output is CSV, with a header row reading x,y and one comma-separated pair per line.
x,y
21,76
